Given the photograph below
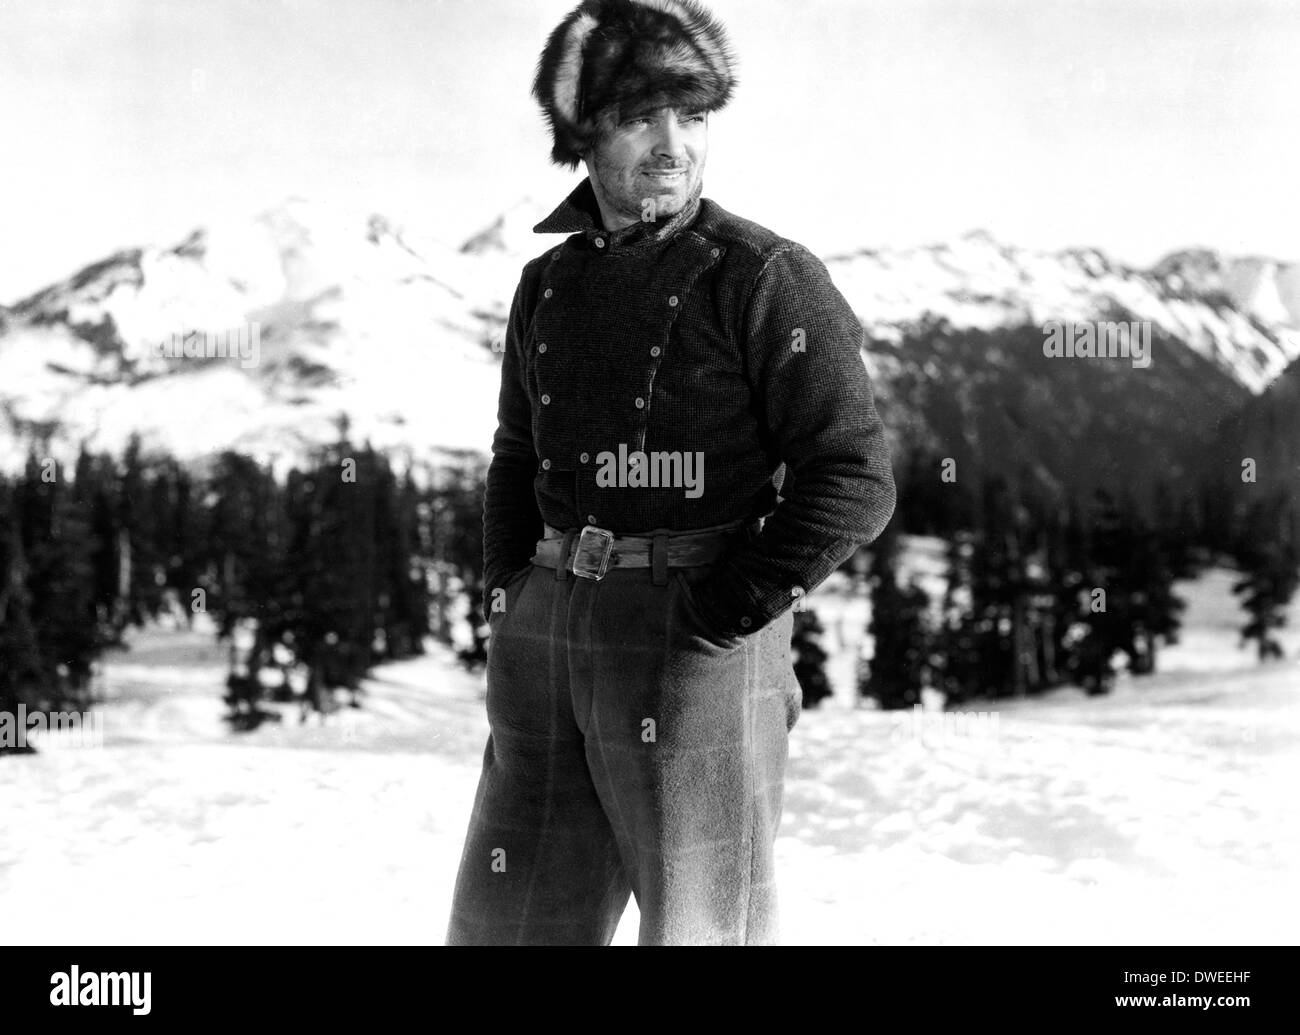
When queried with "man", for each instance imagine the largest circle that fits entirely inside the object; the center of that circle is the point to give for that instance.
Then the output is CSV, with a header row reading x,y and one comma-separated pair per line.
x,y
664,367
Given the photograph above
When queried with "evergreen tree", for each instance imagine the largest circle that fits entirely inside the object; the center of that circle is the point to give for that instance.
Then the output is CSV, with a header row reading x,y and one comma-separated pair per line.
x,y
175,546
335,561
1135,567
242,574
810,658
403,599
58,549
458,493
142,570
994,587
356,607
1043,597
900,664
1178,532
1154,609
1068,562
1104,599
958,657
21,671
95,486
1268,555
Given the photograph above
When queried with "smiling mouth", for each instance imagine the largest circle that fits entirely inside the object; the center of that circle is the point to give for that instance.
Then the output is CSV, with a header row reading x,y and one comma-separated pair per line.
x,y
665,173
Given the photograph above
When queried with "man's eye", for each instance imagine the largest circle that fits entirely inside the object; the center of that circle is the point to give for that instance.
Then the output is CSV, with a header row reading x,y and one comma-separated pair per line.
x,y
647,119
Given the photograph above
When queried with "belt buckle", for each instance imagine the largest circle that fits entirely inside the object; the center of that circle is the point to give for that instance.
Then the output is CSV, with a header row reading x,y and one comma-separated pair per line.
x,y
591,556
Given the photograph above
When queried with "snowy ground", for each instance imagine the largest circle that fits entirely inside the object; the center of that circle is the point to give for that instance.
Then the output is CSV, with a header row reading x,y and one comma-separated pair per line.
x,y
1161,814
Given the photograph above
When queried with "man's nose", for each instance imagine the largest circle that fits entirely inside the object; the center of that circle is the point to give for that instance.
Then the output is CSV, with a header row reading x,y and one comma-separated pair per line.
x,y
672,142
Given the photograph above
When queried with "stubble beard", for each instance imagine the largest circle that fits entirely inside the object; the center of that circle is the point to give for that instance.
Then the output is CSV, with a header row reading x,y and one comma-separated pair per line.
x,y
629,194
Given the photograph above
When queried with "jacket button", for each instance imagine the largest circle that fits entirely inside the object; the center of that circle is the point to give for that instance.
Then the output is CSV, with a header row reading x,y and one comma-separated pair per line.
x,y
554,256
600,242
546,400
672,300
541,347
583,458
654,350
746,621
546,465
591,519
716,252
640,403
547,293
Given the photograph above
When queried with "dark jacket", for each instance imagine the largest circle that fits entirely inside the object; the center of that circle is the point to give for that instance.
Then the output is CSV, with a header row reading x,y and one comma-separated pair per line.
x,y
699,333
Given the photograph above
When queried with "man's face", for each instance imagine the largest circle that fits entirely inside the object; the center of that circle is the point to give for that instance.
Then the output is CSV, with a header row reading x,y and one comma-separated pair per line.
x,y
648,163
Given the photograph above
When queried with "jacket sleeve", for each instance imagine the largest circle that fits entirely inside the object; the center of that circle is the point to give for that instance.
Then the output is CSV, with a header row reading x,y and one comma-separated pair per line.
x,y
512,523
801,344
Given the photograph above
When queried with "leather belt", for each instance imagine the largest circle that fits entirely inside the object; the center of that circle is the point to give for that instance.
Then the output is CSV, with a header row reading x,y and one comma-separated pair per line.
x,y
591,551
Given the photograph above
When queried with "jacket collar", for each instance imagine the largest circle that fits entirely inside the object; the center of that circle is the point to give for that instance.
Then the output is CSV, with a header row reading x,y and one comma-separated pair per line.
x,y
580,213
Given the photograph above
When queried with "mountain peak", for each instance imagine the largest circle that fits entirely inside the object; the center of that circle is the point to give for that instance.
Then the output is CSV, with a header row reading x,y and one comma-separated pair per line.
x,y
193,247
1192,269
511,233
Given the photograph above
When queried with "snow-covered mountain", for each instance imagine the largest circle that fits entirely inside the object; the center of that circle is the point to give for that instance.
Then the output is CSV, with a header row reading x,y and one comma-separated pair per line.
x,y
350,314
321,311
1243,315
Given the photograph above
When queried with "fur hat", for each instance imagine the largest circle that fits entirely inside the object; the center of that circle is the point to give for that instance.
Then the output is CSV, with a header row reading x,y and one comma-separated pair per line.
x,y
624,52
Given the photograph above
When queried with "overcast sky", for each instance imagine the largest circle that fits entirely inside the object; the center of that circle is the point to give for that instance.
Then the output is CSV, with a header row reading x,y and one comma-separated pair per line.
x,y
1135,126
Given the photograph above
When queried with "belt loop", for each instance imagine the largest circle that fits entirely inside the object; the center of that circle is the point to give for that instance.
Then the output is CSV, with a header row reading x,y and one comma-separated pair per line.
x,y
659,558
562,569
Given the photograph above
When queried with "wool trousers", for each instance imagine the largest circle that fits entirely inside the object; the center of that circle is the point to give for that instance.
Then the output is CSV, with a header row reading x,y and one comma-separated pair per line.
x,y
631,751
